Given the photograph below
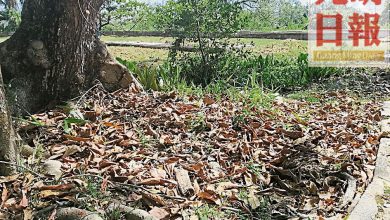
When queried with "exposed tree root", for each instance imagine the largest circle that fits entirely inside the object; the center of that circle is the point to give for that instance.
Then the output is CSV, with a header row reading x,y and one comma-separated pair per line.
x,y
8,149
114,75
129,212
76,214
351,189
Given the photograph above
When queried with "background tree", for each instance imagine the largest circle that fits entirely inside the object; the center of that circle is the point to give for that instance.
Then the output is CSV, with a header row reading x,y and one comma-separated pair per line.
x,y
125,15
9,15
278,14
206,24
54,55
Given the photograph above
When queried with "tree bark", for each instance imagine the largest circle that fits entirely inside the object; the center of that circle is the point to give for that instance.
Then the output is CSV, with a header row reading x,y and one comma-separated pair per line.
x,y
7,136
56,54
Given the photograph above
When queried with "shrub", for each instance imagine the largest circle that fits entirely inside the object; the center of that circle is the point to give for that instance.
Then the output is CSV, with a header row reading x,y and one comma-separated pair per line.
x,y
10,20
232,69
147,75
206,25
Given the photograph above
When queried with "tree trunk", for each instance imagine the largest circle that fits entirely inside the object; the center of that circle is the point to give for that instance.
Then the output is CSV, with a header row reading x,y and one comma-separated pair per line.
x,y
7,136
56,54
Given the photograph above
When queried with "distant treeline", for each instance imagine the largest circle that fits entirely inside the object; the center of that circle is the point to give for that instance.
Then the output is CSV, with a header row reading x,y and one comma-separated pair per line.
x,y
260,15
136,15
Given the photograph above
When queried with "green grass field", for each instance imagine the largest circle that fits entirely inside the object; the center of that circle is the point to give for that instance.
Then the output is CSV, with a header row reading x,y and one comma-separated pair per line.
x,y
261,46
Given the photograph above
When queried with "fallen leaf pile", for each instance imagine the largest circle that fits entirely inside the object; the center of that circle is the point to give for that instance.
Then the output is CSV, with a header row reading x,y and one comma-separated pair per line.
x,y
371,84
187,158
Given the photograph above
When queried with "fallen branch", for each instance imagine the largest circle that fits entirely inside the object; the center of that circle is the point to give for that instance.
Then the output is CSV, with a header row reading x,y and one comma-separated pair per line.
x,y
155,45
298,35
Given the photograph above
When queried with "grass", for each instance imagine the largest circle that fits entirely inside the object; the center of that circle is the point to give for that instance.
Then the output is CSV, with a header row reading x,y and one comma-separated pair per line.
x,y
387,190
139,54
268,45
261,46
198,124
309,96
208,212
93,189
272,46
114,215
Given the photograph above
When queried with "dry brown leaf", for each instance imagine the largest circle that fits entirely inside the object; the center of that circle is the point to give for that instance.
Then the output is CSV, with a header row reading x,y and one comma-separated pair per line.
x,y
10,203
3,216
255,124
133,197
253,200
24,201
221,187
53,215
27,214
153,181
38,184
172,160
208,101
103,186
8,179
158,173
56,187
309,204
210,196
151,132
293,134
165,140
50,193
4,195
97,148
313,189
72,149
154,198
129,143
53,168
158,213
195,167
78,139
106,163
196,187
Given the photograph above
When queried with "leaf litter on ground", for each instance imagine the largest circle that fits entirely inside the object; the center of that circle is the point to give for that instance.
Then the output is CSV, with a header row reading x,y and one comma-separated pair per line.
x,y
188,157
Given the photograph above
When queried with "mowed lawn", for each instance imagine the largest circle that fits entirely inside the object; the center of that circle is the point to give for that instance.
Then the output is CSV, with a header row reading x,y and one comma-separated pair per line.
x,y
261,46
